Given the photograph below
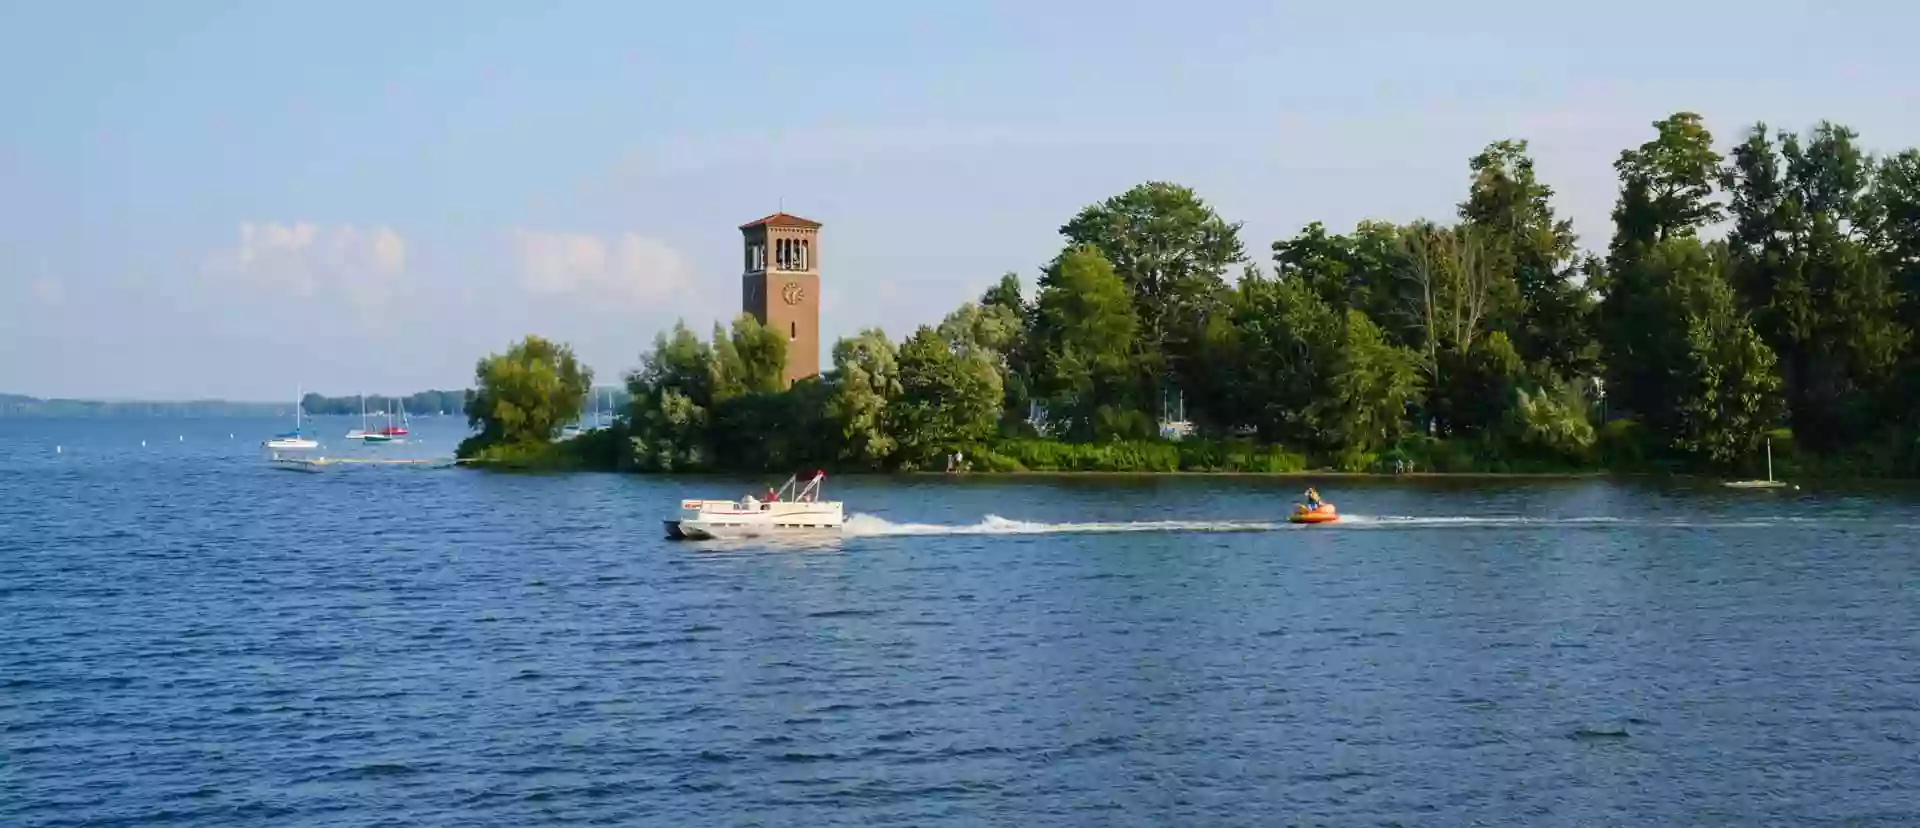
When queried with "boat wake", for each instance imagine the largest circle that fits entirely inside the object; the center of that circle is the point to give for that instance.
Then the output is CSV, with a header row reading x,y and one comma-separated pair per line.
x,y
860,525
870,526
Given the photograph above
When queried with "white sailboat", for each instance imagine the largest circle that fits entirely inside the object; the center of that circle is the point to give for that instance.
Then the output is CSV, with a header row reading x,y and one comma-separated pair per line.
x,y
599,423
363,433
577,427
293,440
1768,483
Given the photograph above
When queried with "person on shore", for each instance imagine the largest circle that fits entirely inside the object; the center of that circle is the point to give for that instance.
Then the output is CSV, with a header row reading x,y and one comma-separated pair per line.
x,y
1313,499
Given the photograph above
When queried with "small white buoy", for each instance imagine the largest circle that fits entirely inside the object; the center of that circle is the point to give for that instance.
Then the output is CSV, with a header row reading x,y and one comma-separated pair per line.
x,y
59,449
143,444
183,438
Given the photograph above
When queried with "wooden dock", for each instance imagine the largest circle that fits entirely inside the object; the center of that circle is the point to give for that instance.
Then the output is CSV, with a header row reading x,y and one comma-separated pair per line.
x,y
319,463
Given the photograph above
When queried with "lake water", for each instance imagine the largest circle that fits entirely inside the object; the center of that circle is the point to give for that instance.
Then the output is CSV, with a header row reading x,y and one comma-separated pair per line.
x,y
188,637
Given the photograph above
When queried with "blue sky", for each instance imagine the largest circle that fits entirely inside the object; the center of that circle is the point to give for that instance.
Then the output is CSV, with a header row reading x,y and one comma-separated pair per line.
x,y
228,198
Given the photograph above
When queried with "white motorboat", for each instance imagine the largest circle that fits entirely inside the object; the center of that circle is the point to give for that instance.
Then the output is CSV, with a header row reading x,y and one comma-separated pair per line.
x,y
791,510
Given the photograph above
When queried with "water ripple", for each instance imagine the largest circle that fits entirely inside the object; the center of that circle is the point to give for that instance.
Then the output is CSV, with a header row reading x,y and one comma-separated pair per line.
x,y
194,640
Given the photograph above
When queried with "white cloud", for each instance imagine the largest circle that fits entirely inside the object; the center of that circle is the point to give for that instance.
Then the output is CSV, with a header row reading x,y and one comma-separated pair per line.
x,y
365,267
630,269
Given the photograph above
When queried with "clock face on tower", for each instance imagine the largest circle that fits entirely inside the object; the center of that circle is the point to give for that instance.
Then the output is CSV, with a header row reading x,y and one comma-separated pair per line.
x,y
793,293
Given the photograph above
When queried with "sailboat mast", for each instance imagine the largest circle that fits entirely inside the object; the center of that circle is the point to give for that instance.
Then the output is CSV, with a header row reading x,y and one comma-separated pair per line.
x,y
1769,459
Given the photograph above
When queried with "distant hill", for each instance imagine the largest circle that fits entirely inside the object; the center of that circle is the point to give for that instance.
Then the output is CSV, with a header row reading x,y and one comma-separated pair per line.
x,y
450,403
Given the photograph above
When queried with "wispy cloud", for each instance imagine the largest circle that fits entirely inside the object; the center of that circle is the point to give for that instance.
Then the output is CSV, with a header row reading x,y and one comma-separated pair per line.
x,y
366,267
630,269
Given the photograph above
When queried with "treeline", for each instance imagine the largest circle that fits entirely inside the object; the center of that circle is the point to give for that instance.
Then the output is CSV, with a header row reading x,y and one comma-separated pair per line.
x,y
423,402
432,402
1769,293
18,406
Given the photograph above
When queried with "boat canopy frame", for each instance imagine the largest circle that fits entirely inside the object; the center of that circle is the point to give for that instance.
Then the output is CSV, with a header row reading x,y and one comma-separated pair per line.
x,y
809,494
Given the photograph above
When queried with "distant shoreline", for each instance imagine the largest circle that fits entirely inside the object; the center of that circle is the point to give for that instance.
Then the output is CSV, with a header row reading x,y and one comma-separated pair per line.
x,y
1571,475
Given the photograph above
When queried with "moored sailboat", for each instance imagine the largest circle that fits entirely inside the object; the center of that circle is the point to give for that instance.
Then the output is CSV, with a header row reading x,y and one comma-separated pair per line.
x,y
292,440
1768,483
392,430
363,433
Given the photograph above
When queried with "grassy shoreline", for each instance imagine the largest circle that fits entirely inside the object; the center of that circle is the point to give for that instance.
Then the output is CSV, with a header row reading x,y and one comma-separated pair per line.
x,y
1328,473
1427,460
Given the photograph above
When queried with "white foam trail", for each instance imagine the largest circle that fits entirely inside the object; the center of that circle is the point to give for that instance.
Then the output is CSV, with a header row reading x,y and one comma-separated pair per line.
x,y
869,526
860,525
1464,520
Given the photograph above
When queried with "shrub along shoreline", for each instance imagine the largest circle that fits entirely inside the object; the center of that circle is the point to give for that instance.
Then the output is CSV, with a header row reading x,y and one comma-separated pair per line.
x,y
1419,459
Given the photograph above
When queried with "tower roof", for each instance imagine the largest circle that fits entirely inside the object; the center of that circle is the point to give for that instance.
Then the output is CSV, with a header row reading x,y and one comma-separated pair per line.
x,y
782,220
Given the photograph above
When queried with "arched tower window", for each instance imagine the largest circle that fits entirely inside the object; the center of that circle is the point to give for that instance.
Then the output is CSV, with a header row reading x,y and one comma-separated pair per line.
x,y
793,330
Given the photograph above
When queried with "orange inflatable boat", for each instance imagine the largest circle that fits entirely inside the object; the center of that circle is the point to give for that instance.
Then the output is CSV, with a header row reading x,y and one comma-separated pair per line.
x,y
1322,514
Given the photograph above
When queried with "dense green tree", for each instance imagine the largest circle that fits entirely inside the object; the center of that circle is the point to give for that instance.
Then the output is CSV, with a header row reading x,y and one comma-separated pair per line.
x,y
525,395
1555,420
753,360
672,399
1666,186
1368,389
1450,293
1726,382
947,401
986,331
1322,262
1476,388
1278,340
1810,264
865,379
1363,270
784,431
1896,238
1715,381
1006,294
1172,251
1896,192
1007,307
1311,374
1540,301
1084,337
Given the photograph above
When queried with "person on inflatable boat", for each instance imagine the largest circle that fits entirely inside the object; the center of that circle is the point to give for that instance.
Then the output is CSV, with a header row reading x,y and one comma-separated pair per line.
x,y
1313,499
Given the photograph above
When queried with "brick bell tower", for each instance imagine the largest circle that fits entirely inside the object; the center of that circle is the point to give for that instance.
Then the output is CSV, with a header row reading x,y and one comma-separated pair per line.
x,y
781,285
